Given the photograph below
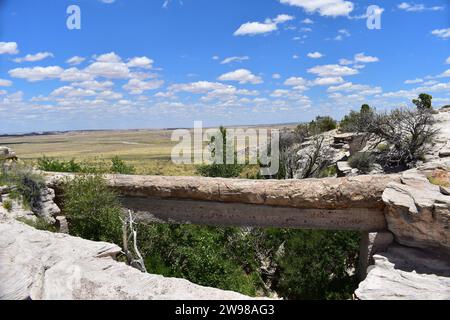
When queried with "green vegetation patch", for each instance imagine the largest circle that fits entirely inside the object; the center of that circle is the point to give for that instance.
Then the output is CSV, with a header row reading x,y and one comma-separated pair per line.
x,y
93,210
363,161
39,223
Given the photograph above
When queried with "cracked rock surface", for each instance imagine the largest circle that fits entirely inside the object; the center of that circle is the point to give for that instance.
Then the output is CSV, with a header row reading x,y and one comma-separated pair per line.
x,y
404,273
42,265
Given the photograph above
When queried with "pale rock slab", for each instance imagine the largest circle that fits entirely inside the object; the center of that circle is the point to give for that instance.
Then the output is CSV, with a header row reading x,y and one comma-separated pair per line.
x,y
404,273
41,265
417,212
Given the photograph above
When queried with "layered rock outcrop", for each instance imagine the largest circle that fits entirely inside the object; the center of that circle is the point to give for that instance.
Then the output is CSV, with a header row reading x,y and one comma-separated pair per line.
x,y
44,208
418,214
335,147
417,211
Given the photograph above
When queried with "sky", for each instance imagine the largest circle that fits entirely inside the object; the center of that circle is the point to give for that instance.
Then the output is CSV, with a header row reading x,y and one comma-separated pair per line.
x,y
167,63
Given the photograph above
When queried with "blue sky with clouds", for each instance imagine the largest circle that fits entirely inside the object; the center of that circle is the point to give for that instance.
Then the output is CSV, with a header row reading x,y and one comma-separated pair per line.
x,y
157,63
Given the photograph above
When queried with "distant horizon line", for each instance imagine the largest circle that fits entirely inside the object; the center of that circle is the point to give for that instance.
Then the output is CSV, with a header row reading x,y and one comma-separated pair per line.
x,y
54,132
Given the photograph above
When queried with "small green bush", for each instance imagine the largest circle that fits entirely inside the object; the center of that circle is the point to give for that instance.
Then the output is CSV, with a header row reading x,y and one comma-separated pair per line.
x,y
220,170
322,124
55,165
316,265
223,169
423,102
317,126
119,166
363,161
93,210
383,147
39,224
358,121
7,204
328,172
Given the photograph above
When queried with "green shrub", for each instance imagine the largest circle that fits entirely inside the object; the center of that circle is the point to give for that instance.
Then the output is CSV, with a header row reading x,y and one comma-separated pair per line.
x,y
93,211
220,170
218,257
383,147
423,102
317,126
363,161
72,166
223,169
361,121
119,166
318,265
328,172
322,124
7,204
54,165
39,223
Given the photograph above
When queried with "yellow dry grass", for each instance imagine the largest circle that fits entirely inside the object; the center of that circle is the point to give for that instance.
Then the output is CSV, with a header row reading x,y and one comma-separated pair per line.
x,y
149,151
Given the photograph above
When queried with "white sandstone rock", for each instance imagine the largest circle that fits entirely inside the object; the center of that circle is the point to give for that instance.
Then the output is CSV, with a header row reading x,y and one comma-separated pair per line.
x,y
404,273
42,265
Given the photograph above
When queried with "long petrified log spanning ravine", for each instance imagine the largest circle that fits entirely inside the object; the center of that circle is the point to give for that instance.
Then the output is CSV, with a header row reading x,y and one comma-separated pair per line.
x,y
340,204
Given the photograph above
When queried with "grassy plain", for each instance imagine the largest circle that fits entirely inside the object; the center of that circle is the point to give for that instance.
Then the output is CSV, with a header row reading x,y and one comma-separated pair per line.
x,y
149,151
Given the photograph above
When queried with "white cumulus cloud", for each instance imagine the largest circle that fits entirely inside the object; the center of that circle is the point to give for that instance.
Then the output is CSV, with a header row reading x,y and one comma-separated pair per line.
x,y
269,25
34,57
75,60
37,73
136,86
361,57
5,83
332,70
441,33
140,62
8,48
413,7
242,76
332,8
234,59
315,55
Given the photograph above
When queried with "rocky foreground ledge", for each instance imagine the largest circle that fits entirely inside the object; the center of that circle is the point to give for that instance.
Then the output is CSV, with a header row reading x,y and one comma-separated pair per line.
x,y
417,264
403,273
40,265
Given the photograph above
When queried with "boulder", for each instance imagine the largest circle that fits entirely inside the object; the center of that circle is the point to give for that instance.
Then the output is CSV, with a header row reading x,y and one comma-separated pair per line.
x,y
7,153
445,152
445,190
417,212
46,208
403,273
343,168
371,244
441,144
352,141
17,210
62,224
